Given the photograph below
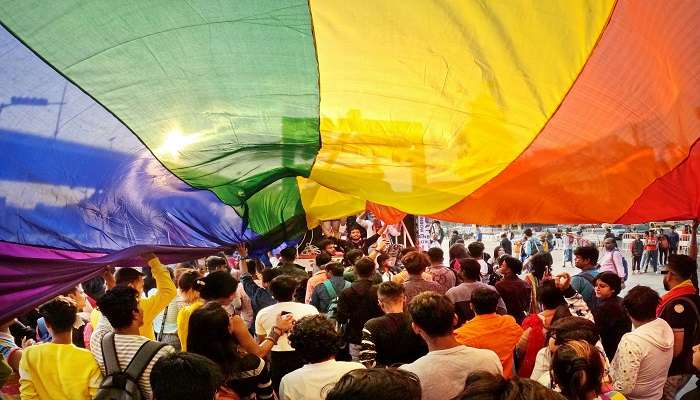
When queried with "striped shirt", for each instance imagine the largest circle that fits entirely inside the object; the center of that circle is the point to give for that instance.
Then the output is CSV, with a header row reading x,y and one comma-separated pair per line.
x,y
251,380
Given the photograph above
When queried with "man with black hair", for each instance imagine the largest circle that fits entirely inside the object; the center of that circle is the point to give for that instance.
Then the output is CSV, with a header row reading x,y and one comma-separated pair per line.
x,y
679,307
330,288
476,251
185,376
322,259
516,293
416,263
640,366
122,308
532,244
356,241
316,341
440,274
490,331
376,384
443,371
461,294
58,370
389,339
288,267
506,244
586,259
216,263
358,304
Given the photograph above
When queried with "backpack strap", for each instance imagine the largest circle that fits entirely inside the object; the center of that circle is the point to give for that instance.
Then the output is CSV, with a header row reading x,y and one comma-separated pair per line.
x,y
142,358
330,289
688,302
109,354
162,325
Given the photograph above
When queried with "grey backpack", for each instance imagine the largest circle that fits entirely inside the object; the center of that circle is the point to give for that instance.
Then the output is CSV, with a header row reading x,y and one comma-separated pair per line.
x,y
124,385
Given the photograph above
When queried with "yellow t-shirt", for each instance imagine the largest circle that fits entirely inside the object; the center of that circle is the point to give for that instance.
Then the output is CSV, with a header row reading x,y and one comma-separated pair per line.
x,y
183,322
152,306
58,371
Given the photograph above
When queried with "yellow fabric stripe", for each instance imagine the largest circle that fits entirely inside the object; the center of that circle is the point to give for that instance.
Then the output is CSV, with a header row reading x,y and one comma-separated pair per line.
x,y
322,204
421,104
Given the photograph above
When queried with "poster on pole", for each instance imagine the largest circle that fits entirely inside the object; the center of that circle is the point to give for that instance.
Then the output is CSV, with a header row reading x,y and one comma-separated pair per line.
x,y
423,232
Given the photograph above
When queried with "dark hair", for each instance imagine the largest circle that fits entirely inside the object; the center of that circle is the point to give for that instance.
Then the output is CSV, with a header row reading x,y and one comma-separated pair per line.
x,y
577,367
376,384
283,287
213,263
434,313
476,249
323,258
289,254
118,306
589,253
185,376
218,285
549,295
323,243
364,267
457,252
351,257
336,269
470,269
435,254
540,263
190,280
611,279
268,274
381,258
484,300
209,335
528,232
513,264
415,262
314,338
59,314
574,328
682,265
641,302
391,290
127,275
482,385
495,252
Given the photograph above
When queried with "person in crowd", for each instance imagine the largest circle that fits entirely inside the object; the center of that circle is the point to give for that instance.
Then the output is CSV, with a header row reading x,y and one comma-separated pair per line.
x,y
679,307
443,371
283,357
288,267
260,295
460,295
540,269
651,251
210,336
322,259
585,259
673,240
664,249
612,259
242,304
578,371
357,241
440,274
637,250
483,385
357,305
121,306
389,339
416,264
78,296
330,289
217,263
694,394
165,323
608,234
515,292
610,317
577,305
490,331
384,267
185,376
5,371
59,369
402,276
327,246
535,326
643,357
531,244
498,252
353,257
476,251
568,240
376,384
456,253
506,244
454,237
10,351
315,339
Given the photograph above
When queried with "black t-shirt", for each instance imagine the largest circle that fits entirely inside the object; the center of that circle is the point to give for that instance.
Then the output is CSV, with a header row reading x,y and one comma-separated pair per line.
x,y
394,340
680,314
612,322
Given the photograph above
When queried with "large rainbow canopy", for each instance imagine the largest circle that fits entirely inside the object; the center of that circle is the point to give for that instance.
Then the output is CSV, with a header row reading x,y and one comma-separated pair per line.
x,y
181,126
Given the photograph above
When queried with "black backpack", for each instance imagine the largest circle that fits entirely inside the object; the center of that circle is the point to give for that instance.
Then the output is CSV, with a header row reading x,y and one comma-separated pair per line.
x,y
124,385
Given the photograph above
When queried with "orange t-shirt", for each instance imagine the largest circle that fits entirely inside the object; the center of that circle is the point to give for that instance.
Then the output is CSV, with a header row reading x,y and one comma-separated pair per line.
x,y
499,333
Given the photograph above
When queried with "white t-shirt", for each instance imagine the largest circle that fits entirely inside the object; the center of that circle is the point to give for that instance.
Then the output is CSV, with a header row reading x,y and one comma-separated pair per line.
x,y
314,381
442,373
267,317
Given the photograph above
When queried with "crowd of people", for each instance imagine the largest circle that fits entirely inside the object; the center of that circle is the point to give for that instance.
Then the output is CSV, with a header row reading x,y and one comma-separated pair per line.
x,y
366,323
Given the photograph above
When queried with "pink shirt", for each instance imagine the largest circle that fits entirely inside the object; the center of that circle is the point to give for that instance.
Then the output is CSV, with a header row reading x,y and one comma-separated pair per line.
x,y
612,261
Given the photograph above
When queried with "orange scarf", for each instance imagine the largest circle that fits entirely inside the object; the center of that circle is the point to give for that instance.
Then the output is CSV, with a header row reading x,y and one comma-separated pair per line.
x,y
683,289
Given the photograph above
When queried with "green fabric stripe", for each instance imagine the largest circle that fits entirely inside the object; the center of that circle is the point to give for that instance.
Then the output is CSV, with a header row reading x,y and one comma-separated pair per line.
x,y
235,83
284,214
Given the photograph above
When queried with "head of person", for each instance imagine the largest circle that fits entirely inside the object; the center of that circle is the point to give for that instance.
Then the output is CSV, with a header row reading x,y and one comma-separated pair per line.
x,y
78,296
436,255
315,339
267,275
59,314
470,269
679,269
571,328
549,295
288,254
415,262
577,368
586,257
482,385
283,287
190,284
364,267
484,301
209,335
510,266
607,284
528,233
355,233
322,259
351,257
476,249
384,262
216,263
326,245
376,384
131,277
455,233
334,270
458,251
433,315
391,295
219,286
640,303
185,376
541,265
610,244
120,305
504,235
498,252
673,228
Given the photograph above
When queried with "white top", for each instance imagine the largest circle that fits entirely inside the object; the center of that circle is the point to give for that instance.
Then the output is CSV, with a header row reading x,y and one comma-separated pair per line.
x,y
267,317
314,381
367,224
484,267
442,373
171,320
